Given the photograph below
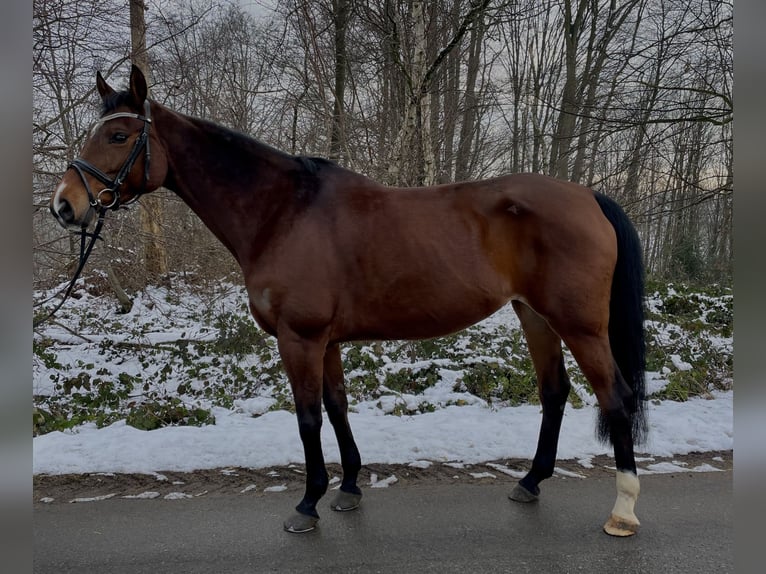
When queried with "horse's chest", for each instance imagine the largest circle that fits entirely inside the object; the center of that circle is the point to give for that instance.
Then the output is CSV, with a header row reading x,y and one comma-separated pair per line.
x,y
262,309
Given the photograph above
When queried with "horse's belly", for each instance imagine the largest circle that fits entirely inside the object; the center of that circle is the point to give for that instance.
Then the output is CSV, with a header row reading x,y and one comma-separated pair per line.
x,y
419,319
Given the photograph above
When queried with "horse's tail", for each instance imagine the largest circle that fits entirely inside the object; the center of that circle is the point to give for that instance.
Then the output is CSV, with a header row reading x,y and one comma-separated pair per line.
x,y
626,317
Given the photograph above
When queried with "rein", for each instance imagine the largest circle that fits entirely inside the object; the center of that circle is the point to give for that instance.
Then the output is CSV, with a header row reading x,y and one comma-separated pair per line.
x,y
112,187
84,254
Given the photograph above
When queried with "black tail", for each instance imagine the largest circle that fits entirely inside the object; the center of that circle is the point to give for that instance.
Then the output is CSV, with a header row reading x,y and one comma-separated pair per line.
x,y
626,316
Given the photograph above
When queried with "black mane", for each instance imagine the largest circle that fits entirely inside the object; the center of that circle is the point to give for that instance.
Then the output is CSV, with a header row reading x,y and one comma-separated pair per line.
x,y
313,165
307,176
309,183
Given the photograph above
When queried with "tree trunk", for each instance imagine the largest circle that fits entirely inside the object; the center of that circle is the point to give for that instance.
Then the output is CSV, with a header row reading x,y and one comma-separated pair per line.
x,y
126,303
426,174
470,102
341,11
407,165
409,147
562,140
155,258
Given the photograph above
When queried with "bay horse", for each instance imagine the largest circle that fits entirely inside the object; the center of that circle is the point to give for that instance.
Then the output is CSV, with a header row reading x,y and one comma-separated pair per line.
x,y
329,256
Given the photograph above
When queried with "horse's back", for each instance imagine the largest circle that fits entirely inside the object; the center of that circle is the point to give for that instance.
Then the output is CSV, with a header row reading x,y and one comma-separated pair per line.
x,y
419,262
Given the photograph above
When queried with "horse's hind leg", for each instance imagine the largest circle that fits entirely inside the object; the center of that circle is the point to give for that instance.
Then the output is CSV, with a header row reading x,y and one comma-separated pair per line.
x,y
336,405
594,355
553,387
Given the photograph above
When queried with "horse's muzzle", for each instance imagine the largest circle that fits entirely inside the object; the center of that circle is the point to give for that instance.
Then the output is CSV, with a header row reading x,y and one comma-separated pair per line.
x,y
64,213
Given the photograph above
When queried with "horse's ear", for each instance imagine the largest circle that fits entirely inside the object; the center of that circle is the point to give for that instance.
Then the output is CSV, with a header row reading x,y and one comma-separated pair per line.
x,y
138,89
104,89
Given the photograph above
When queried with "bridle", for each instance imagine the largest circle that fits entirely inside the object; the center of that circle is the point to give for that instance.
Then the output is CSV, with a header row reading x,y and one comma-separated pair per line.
x,y
112,188
113,184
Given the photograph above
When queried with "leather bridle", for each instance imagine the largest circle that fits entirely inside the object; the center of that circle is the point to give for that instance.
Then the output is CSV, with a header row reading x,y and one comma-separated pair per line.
x,y
112,188
113,184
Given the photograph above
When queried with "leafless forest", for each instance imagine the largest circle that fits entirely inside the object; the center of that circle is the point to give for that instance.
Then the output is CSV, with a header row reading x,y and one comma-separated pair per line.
x,y
630,97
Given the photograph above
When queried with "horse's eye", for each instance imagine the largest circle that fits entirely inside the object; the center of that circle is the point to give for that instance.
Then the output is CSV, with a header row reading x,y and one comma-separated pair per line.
x,y
118,137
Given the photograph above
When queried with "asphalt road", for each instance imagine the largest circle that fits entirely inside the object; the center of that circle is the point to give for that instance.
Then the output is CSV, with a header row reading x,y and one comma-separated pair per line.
x,y
687,526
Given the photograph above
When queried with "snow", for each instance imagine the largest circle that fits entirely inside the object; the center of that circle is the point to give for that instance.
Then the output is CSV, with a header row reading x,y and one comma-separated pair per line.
x,y
505,470
279,488
680,364
482,475
385,483
462,430
176,496
456,435
149,494
93,498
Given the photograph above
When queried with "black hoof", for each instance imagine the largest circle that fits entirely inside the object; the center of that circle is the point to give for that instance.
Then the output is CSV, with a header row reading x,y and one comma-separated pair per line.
x,y
345,501
299,523
521,494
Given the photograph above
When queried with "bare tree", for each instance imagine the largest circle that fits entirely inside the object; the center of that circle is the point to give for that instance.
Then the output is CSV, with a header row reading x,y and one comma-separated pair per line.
x,y
632,98
155,258
341,12
65,58
412,159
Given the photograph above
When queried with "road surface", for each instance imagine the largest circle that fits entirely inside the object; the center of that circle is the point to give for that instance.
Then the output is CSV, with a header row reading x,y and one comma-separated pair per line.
x,y
426,526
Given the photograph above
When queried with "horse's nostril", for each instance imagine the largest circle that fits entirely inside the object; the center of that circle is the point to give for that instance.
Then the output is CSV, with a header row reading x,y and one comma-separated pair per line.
x,y
65,211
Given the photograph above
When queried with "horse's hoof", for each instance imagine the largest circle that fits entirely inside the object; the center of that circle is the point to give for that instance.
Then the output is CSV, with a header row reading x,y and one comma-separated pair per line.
x,y
345,501
521,494
617,526
299,523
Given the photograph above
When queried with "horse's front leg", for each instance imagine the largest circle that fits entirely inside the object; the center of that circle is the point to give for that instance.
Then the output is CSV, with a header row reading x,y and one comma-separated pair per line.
x,y
336,404
303,362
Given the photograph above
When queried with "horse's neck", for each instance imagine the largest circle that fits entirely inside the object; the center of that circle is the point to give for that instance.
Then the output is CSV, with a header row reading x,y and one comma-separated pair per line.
x,y
236,185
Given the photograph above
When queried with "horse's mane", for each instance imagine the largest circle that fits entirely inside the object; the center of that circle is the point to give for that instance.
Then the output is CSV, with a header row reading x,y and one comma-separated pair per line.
x,y
308,167
314,165
309,181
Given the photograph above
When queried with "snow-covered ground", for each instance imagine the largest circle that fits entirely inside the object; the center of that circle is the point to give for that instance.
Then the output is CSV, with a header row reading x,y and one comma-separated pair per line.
x,y
253,432
468,434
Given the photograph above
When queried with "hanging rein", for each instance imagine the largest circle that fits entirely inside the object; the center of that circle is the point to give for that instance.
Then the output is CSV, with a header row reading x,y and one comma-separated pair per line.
x,y
109,197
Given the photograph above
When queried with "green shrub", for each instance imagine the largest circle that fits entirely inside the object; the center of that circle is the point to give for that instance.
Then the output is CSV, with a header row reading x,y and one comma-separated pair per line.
x,y
491,382
155,414
683,306
682,385
238,335
359,356
415,381
363,387
41,347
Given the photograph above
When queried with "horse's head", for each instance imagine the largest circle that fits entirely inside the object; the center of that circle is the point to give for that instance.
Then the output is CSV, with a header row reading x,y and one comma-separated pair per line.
x,y
120,160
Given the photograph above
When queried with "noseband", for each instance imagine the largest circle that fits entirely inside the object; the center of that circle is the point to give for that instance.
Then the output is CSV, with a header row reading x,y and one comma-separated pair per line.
x,y
113,185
